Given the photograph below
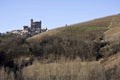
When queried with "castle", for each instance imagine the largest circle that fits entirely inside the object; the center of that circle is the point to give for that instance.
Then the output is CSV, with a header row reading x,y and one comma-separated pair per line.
x,y
35,28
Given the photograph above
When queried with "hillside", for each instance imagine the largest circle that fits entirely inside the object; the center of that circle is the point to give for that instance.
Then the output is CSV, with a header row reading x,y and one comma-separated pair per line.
x,y
82,51
88,39
93,47
111,23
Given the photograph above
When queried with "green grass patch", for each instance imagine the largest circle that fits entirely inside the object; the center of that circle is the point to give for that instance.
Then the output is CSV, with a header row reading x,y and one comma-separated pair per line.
x,y
86,28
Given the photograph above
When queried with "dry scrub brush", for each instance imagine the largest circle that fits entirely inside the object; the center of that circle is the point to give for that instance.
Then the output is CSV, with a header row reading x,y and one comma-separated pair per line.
x,y
65,71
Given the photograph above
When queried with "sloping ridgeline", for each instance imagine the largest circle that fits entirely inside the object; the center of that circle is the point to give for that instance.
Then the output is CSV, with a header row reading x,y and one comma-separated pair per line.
x,y
83,40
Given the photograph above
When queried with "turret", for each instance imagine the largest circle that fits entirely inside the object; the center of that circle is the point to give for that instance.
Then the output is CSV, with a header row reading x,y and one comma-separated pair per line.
x,y
31,22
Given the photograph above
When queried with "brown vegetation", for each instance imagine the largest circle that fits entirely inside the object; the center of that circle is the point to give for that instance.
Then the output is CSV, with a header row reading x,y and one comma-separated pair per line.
x,y
67,70
86,42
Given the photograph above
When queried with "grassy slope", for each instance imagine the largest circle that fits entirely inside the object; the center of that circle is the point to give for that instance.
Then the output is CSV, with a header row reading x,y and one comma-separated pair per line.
x,y
93,25
113,31
108,26
73,39
70,38
86,27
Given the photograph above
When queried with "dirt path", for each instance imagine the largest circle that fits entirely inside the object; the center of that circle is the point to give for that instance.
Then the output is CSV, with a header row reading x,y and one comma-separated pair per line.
x,y
113,34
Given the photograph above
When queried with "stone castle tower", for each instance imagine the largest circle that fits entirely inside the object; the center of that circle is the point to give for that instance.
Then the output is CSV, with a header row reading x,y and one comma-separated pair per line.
x,y
36,26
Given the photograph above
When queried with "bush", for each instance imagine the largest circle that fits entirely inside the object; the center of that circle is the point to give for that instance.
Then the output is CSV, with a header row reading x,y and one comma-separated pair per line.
x,y
113,73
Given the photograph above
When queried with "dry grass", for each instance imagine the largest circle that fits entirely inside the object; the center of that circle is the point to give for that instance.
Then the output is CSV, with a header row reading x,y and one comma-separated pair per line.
x,y
113,34
65,71
74,70
5,76
96,24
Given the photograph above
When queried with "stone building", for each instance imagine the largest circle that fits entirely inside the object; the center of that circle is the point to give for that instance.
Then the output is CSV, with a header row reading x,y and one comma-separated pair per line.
x,y
35,27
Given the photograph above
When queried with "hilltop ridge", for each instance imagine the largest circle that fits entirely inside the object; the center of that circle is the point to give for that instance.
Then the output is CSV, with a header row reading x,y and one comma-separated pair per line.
x,y
92,47
72,38
108,22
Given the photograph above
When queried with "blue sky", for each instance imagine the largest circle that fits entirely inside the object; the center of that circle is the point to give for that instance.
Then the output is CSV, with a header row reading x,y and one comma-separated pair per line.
x,y
14,14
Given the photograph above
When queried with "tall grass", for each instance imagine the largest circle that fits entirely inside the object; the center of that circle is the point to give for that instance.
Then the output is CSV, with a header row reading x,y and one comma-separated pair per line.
x,y
5,76
65,71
